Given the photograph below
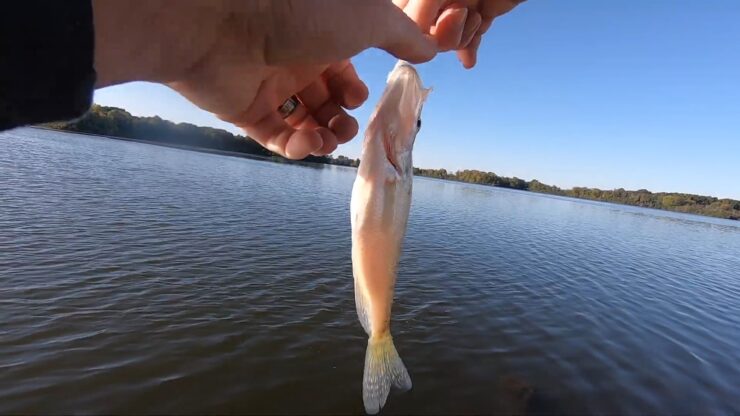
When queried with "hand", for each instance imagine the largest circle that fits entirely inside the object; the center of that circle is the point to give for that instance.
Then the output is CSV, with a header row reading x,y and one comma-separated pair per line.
x,y
457,24
241,60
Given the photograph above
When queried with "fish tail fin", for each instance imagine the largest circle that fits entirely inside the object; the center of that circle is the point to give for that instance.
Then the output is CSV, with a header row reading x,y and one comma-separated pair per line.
x,y
383,369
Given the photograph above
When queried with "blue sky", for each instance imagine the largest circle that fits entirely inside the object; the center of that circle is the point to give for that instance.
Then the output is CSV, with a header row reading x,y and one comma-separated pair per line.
x,y
572,92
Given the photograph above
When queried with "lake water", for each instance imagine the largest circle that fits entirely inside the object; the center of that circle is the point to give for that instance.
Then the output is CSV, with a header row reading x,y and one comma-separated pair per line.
x,y
142,279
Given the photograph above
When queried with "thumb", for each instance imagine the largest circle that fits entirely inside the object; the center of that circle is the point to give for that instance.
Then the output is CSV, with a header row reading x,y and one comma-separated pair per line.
x,y
400,36
302,32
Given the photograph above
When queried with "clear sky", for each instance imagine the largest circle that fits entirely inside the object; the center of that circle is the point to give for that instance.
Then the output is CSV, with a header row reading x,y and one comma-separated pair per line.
x,y
633,94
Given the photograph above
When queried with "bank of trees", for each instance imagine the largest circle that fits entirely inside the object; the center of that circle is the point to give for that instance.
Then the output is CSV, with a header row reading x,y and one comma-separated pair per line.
x,y
117,122
689,203
113,121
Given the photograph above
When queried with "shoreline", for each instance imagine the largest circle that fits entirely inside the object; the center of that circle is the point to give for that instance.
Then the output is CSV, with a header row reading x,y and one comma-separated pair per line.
x,y
278,159
275,159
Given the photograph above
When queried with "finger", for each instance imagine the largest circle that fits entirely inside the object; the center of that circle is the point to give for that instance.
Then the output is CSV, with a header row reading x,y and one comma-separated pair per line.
x,y
485,24
274,133
449,28
494,8
345,86
300,118
469,55
489,10
330,142
401,37
423,12
400,3
472,24
327,112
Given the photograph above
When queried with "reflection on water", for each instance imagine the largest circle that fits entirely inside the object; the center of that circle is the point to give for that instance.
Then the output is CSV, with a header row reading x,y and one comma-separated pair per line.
x,y
142,279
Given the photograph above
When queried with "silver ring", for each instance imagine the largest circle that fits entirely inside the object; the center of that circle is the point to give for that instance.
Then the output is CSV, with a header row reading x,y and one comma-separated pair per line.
x,y
289,106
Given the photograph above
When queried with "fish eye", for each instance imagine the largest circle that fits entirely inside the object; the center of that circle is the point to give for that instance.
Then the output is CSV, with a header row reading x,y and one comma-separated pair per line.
x,y
418,124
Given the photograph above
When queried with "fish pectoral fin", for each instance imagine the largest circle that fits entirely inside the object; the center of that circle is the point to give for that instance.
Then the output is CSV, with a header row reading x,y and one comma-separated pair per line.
x,y
383,369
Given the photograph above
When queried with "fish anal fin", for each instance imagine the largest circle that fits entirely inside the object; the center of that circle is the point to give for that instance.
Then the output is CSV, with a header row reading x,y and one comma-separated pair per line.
x,y
363,312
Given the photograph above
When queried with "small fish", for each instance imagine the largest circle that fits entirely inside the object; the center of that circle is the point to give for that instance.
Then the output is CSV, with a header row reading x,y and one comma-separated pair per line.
x,y
381,199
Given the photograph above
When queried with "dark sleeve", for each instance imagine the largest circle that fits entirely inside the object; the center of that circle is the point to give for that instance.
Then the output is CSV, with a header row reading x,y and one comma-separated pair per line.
x,y
46,61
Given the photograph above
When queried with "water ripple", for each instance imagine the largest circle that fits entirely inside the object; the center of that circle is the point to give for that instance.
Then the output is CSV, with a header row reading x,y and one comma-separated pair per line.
x,y
139,279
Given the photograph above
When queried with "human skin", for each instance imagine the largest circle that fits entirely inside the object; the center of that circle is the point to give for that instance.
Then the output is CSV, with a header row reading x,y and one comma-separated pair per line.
x,y
240,60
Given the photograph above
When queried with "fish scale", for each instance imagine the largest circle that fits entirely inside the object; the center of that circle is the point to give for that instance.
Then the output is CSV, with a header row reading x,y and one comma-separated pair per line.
x,y
379,210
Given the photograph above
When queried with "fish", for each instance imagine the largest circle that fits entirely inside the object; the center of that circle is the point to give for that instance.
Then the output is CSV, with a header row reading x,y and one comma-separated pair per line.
x,y
379,211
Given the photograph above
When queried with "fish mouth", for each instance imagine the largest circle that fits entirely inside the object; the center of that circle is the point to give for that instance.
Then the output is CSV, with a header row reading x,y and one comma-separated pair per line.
x,y
401,67
403,83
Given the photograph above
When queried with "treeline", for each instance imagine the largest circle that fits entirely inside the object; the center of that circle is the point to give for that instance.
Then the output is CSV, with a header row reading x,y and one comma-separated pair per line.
x,y
345,161
688,203
112,121
474,176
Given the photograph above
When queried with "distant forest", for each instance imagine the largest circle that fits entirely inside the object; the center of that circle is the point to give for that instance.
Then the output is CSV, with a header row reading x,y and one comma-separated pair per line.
x,y
112,121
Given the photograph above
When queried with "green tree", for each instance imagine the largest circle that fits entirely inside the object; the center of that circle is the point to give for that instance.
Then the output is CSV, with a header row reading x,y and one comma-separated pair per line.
x,y
112,121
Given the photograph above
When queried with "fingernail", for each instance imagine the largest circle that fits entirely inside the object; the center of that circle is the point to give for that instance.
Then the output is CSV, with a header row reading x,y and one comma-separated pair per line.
x,y
468,34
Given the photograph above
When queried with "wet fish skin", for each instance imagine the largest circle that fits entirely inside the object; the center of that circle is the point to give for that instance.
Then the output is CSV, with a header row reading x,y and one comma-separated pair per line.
x,y
380,205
